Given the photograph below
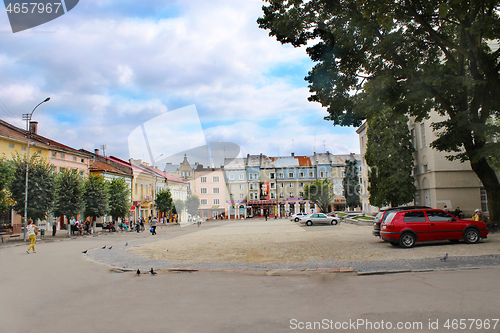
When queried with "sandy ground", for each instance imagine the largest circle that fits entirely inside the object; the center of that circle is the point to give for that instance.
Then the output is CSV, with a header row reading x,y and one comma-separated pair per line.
x,y
281,241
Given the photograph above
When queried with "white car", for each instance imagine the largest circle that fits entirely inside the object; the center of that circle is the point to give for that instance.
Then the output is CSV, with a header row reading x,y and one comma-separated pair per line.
x,y
296,217
318,218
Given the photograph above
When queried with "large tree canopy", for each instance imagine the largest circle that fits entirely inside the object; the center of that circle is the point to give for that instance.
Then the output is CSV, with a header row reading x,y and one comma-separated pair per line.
x,y
411,56
68,194
119,198
320,192
350,184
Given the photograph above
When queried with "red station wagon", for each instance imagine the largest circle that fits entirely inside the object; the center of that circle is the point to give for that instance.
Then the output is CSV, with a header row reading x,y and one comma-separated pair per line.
x,y
404,228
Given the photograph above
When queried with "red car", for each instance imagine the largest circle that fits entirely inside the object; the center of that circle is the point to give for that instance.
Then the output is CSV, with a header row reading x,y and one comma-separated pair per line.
x,y
404,228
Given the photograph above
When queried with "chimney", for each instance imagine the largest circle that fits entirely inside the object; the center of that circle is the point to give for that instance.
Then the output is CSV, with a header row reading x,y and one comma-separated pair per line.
x,y
96,151
293,154
131,160
34,127
145,163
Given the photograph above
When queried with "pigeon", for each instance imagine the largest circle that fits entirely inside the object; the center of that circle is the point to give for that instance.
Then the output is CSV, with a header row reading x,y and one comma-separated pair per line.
x,y
445,257
110,247
152,271
104,247
126,243
85,252
138,272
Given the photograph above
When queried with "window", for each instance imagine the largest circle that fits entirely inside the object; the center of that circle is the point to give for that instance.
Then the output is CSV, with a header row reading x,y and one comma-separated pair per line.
x,y
311,174
231,177
282,195
203,190
282,185
425,168
342,173
322,174
291,185
281,175
422,135
273,195
484,200
301,184
39,152
412,135
250,176
23,147
231,196
83,161
11,145
301,194
251,196
415,216
74,158
273,185
215,190
301,175
231,187
203,202
439,216
271,175
242,186
252,186
291,194
63,156
241,196
290,175
203,179
215,179
241,176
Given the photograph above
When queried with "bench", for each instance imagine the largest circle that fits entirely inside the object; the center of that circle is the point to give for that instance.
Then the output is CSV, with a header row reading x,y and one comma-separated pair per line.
x,y
12,236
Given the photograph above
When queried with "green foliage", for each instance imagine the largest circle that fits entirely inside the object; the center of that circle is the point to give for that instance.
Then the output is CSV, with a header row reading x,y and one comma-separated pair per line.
x,y
192,204
320,192
351,184
96,196
119,198
68,194
6,174
41,185
390,160
179,205
409,56
164,202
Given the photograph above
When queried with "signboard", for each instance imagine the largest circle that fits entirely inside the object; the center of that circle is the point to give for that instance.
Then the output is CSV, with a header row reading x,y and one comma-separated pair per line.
x,y
132,208
264,191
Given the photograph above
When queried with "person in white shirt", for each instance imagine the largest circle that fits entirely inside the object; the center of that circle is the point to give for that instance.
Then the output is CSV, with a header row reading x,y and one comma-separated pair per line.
x,y
30,229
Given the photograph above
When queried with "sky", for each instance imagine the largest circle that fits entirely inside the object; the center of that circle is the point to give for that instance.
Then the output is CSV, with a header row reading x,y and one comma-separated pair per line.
x,y
152,79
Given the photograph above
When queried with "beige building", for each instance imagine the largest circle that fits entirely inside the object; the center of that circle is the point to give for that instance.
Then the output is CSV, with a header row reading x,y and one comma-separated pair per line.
x,y
210,188
439,182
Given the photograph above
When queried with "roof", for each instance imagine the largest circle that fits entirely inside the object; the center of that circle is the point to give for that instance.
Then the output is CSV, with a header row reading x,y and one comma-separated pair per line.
x,y
105,167
236,163
167,176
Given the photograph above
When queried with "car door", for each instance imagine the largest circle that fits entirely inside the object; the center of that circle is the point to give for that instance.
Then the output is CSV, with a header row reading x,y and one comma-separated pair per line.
x,y
443,225
416,220
321,218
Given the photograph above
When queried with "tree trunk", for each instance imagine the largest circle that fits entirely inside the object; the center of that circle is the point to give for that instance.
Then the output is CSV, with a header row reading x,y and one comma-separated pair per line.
x,y
492,186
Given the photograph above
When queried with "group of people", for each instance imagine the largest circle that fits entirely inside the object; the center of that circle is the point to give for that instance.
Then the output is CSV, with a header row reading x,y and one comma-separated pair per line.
x,y
78,227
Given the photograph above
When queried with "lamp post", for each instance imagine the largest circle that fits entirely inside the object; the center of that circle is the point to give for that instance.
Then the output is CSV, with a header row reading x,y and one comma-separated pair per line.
x,y
27,117
154,190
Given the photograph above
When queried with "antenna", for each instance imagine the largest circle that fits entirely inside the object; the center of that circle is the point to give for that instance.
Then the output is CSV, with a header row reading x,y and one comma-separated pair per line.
x,y
103,147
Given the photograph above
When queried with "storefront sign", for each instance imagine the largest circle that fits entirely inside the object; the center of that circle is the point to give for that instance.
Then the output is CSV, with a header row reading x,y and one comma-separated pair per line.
x,y
264,191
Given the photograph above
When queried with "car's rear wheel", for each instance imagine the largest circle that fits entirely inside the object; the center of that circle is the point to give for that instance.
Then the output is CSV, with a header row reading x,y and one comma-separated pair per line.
x,y
471,236
296,219
334,222
407,240
309,223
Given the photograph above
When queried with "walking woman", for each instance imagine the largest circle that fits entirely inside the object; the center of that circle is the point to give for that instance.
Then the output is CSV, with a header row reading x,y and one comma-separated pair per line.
x,y
30,229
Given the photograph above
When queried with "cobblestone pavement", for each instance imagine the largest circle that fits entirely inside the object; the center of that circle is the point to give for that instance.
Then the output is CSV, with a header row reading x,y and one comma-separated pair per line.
x,y
280,247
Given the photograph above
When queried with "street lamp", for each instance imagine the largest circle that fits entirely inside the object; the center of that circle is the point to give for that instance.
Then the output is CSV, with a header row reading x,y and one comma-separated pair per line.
x,y
27,117
154,191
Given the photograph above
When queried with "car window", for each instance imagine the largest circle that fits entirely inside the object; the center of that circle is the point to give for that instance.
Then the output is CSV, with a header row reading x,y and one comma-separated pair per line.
x,y
322,215
439,216
416,216
389,217
378,216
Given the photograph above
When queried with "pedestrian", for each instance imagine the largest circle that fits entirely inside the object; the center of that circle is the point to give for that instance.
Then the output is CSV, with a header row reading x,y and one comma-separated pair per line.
x,y
458,213
198,221
479,216
446,208
30,229
265,214
153,226
54,227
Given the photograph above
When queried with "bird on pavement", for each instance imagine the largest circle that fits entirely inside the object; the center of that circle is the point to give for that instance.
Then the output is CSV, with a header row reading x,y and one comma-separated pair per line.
x,y
110,247
85,252
445,257
126,243
138,272
104,247
152,271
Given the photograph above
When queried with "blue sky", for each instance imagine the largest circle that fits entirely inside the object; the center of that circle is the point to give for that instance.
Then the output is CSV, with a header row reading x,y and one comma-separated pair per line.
x,y
110,66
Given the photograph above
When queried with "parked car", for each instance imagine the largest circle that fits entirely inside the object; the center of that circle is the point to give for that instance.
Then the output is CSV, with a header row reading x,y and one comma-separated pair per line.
x,y
318,218
381,215
296,217
406,227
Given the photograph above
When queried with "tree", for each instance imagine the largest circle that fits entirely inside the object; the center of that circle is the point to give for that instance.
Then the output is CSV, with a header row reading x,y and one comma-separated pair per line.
x,y
320,192
192,204
119,198
6,175
410,56
96,196
68,194
164,202
390,161
351,184
40,186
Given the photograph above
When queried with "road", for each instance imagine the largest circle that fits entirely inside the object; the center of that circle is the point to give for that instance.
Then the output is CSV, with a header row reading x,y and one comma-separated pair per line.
x,y
59,290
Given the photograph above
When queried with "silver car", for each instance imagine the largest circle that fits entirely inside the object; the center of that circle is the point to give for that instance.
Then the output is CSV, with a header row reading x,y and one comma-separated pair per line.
x,y
296,217
318,218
